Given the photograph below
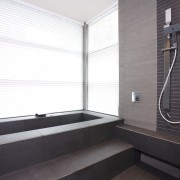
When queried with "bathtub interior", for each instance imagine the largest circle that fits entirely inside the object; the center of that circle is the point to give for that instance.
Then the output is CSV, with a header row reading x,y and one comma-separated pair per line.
x,y
8,127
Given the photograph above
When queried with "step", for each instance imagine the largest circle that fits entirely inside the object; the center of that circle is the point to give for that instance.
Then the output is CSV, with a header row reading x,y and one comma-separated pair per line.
x,y
102,161
162,146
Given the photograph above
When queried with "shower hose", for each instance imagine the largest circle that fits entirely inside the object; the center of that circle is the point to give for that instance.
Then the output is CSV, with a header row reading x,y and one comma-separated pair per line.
x,y
164,87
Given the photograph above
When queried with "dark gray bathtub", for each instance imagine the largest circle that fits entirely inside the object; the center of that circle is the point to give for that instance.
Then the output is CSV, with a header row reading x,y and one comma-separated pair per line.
x,y
9,126
27,141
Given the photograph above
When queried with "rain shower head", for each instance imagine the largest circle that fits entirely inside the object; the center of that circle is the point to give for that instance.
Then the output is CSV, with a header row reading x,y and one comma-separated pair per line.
x,y
168,17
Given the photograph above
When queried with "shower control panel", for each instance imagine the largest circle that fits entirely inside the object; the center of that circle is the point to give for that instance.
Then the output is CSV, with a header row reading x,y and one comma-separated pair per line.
x,y
135,97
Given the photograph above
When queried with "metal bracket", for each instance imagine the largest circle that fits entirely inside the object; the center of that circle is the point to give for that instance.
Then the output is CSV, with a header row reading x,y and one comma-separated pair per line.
x,y
166,96
85,67
172,29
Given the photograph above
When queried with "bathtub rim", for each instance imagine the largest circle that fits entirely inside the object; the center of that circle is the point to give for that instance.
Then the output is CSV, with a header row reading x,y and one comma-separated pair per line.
x,y
38,133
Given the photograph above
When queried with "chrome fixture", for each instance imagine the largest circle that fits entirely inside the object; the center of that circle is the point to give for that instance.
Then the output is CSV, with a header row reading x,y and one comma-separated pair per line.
x,y
135,97
170,31
171,48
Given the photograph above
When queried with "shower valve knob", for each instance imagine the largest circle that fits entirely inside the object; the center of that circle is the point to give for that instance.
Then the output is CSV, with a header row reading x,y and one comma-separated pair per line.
x,y
135,97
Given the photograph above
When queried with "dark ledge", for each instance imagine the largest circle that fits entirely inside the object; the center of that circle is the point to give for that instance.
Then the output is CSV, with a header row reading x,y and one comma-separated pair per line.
x,y
155,134
161,146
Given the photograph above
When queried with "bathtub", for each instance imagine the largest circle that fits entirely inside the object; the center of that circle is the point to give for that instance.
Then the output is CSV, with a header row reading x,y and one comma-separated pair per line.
x,y
14,125
28,141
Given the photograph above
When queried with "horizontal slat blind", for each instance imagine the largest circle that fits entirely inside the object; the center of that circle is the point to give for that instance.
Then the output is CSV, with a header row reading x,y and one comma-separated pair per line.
x,y
40,62
103,65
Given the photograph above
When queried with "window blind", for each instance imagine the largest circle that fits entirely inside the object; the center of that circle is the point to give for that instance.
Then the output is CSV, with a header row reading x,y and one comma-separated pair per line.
x,y
40,62
103,64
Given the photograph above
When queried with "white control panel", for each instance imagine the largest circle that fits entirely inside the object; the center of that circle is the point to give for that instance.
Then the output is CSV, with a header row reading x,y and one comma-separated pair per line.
x,y
135,97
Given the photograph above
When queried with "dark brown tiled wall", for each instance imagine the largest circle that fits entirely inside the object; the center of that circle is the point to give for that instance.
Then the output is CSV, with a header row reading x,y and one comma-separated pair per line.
x,y
162,5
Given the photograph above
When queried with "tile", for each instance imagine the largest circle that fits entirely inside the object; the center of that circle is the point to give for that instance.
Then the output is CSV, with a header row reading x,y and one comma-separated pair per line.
x,y
122,161
41,123
71,118
124,135
11,127
139,141
176,155
21,136
38,172
21,154
64,143
95,172
87,117
160,149
101,133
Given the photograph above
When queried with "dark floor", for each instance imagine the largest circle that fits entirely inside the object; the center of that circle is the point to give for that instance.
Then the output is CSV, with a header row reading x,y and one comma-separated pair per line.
x,y
141,171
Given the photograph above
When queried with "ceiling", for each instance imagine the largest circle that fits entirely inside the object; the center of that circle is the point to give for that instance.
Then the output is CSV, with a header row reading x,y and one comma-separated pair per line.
x,y
79,10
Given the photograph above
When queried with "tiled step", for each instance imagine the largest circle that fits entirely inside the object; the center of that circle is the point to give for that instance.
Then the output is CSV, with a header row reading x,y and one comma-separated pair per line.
x,y
102,161
162,146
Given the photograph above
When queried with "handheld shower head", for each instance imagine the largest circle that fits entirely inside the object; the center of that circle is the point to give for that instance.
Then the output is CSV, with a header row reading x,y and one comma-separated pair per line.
x,y
175,46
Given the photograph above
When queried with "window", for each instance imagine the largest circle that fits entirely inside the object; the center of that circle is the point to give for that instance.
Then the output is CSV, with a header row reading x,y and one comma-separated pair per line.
x,y
40,62
103,64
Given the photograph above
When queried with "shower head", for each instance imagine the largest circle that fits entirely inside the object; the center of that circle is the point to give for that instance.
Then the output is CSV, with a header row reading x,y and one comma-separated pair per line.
x,y
168,17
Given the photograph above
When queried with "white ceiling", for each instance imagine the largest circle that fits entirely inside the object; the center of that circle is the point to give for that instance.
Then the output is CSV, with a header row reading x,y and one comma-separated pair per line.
x,y
79,10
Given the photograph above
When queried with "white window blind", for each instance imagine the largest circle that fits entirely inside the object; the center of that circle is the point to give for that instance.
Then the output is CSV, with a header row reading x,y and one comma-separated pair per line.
x,y
103,64
40,62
